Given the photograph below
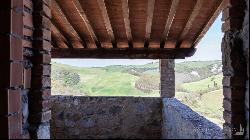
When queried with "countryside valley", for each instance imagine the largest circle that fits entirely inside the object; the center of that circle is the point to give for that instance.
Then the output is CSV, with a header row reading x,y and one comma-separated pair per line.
x,y
198,83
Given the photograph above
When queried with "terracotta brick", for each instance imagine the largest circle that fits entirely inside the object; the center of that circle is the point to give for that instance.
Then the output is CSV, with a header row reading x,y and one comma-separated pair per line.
x,y
39,105
39,82
233,106
27,43
27,78
232,24
10,101
28,4
233,118
47,2
12,75
28,20
234,94
40,117
43,8
28,32
42,69
16,74
231,3
233,81
11,53
42,34
10,127
42,44
17,17
233,12
41,22
43,94
42,59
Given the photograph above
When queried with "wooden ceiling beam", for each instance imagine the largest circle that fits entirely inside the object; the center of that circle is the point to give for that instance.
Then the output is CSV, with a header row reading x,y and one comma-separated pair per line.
x,y
126,53
150,15
60,40
107,23
125,12
74,18
190,22
211,19
65,27
171,17
86,21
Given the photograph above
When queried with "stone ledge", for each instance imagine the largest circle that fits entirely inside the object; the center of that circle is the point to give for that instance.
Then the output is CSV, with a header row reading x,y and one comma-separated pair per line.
x,y
180,121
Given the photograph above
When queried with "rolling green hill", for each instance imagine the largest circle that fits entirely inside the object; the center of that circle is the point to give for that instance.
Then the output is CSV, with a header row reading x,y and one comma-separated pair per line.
x,y
198,83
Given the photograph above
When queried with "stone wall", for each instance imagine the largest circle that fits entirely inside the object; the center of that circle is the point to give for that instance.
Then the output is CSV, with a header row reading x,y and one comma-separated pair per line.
x,y
167,84
106,117
235,63
181,122
245,37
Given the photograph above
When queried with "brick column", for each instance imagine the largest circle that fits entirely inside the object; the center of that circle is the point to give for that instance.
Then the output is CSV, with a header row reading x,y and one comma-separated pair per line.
x,y
11,72
167,78
39,105
234,69
245,37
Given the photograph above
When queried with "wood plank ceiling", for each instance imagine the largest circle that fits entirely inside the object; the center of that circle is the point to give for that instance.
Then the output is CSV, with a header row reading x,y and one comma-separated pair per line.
x,y
130,28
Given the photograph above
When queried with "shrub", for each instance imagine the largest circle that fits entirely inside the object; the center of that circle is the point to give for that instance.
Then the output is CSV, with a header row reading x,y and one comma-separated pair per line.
x,y
67,77
147,83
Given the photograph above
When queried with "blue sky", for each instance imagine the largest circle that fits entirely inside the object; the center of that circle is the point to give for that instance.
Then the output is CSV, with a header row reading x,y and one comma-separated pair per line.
x,y
208,49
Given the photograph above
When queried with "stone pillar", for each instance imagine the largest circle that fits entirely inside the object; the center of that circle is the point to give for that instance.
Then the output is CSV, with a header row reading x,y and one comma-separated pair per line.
x,y
11,71
167,85
39,105
234,69
245,37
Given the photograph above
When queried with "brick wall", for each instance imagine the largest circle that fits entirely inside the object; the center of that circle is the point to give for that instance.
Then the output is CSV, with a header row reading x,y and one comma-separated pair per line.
x,y
25,74
245,37
38,97
11,72
234,68
167,78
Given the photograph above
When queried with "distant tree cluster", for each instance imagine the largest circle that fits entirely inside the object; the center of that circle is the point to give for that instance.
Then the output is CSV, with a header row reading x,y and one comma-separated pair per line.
x,y
147,83
67,77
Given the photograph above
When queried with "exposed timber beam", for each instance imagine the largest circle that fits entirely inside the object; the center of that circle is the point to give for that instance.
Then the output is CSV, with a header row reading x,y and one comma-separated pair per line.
x,y
60,40
171,16
126,53
86,21
106,20
74,17
190,22
150,15
125,12
212,18
64,26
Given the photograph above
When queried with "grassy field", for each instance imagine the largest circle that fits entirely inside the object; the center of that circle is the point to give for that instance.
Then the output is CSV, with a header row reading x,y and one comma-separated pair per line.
x,y
202,92
100,82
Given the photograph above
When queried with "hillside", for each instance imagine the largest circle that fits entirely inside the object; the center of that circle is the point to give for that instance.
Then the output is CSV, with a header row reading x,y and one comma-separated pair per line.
x,y
198,83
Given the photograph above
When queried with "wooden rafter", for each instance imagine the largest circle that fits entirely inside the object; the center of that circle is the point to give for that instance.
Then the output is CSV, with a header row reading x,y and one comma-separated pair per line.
x,y
211,20
125,12
86,21
64,26
106,20
129,53
171,16
150,14
74,18
190,21
58,37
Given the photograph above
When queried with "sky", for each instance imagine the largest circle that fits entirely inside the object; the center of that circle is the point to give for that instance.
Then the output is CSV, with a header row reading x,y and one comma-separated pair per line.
x,y
208,49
